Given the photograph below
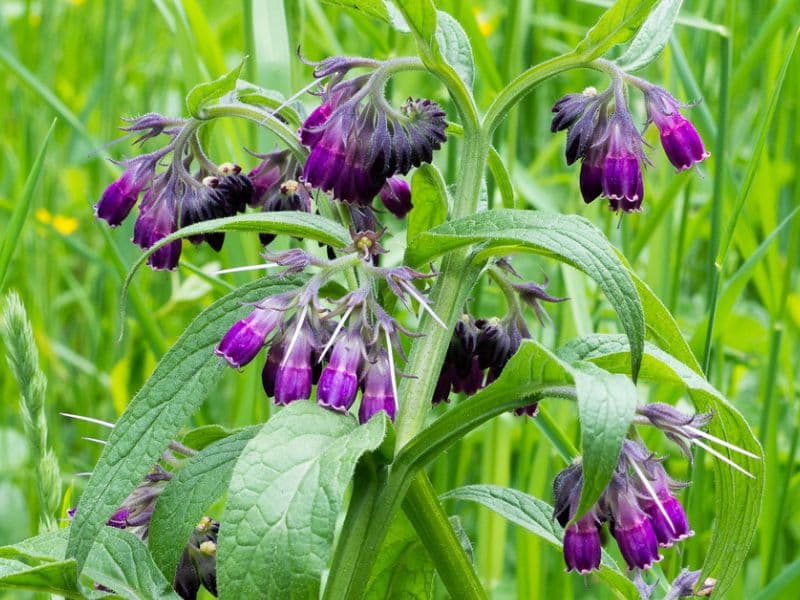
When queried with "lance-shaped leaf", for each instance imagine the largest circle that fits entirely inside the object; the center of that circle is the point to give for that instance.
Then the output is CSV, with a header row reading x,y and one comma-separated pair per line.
x,y
284,497
568,238
175,390
203,93
654,34
616,26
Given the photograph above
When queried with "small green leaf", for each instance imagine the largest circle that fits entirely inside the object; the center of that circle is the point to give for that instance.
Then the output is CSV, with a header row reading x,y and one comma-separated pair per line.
x,y
737,497
568,238
652,37
429,197
403,568
175,390
205,435
204,93
186,498
616,26
284,497
537,517
455,48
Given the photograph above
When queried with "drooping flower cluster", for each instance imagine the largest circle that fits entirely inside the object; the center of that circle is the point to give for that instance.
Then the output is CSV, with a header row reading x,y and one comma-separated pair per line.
x,y
639,504
358,142
610,146
341,350
479,349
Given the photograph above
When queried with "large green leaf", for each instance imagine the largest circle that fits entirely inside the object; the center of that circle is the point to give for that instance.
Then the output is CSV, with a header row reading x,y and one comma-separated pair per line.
x,y
737,497
174,391
186,498
284,497
616,26
403,568
118,561
568,238
420,15
654,34
537,517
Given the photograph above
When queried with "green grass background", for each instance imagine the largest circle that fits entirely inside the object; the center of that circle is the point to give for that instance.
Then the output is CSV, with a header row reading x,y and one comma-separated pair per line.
x,y
90,62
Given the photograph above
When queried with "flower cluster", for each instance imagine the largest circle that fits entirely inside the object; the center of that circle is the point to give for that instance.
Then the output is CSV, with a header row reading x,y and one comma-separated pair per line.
x,y
358,142
610,146
479,349
341,350
639,504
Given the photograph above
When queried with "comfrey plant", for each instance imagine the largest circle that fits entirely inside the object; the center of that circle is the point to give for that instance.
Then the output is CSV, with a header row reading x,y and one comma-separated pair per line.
x,y
356,343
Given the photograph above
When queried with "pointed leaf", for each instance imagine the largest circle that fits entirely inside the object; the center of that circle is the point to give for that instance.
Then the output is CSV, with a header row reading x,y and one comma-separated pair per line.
x,y
616,26
455,48
203,93
653,36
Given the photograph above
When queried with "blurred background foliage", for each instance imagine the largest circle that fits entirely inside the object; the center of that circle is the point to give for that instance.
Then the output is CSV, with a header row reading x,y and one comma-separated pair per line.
x,y
90,62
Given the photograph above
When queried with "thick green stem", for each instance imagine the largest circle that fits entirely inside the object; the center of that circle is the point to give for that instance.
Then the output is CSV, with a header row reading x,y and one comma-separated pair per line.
x,y
423,509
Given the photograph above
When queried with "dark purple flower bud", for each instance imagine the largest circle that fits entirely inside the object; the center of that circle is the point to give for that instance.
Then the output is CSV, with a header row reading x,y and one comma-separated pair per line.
x,y
566,493
666,513
622,174
582,545
378,389
338,384
396,196
216,198
633,530
244,340
568,110
529,410
294,375
267,176
444,384
274,359
311,131
591,179
157,220
679,138
414,141
120,197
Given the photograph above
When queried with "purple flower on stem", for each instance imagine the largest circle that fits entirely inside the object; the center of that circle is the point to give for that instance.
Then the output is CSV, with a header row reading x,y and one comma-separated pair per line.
x,y
396,196
120,197
622,174
157,220
582,545
244,340
679,138
338,384
632,529
379,394
294,375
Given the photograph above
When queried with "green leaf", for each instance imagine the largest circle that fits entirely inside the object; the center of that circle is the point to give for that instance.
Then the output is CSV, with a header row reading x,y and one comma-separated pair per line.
x,y
455,48
175,390
205,93
403,568
118,560
537,517
653,36
205,435
616,26
420,15
284,497
187,497
429,197
22,207
737,497
568,238
606,407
